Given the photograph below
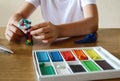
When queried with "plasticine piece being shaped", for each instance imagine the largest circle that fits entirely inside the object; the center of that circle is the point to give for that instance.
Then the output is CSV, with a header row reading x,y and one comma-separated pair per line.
x,y
25,24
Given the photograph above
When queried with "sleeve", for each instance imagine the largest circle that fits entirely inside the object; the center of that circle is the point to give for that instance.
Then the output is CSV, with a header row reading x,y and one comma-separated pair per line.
x,y
86,2
36,3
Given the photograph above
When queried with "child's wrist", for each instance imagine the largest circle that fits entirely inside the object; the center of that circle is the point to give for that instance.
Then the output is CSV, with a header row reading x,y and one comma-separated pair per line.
x,y
58,31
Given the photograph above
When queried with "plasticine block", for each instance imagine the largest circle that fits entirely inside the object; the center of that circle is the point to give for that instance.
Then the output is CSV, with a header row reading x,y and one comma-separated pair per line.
x,y
93,54
80,54
90,66
68,55
104,65
46,70
77,68
55,56
62,69
42,56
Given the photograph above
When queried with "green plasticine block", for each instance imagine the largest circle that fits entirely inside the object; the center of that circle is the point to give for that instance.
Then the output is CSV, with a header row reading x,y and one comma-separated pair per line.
x,y
90,66
47,70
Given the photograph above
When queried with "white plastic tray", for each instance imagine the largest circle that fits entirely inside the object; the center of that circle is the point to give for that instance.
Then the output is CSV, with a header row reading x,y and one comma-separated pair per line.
x,y
79,76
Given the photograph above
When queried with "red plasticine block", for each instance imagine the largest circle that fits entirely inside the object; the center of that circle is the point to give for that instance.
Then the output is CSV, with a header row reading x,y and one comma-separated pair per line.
x,y
80,54
68,55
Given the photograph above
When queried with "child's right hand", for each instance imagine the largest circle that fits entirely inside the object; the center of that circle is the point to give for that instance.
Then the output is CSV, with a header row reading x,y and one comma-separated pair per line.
x,y
13,33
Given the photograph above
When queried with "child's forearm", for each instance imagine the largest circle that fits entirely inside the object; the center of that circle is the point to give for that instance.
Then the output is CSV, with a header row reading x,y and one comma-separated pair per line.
x,y
23,12
83,27
26,10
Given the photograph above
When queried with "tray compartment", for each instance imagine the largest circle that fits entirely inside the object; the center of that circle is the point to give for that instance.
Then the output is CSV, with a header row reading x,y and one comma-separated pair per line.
x,y
68,56
55,56
93,54
46,69
62,68
76,67
104,65
80,54
90,66
42,56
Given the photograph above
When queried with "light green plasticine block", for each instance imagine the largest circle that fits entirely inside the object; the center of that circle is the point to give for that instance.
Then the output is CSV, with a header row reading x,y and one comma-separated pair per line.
x,y
90,66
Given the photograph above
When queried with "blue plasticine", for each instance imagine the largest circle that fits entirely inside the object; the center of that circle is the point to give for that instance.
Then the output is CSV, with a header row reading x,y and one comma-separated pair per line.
x,y
27,24
90,38
19,25
55,56
42,57
26,36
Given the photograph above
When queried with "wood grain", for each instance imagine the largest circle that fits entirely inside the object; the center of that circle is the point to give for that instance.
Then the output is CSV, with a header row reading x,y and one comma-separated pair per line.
x,y
19,66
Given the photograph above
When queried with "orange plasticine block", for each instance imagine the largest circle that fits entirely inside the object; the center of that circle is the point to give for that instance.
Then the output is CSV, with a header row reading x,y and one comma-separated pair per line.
x,y
80,54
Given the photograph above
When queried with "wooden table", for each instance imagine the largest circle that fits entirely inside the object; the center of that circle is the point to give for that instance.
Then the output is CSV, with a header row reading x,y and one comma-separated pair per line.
x,y
19,66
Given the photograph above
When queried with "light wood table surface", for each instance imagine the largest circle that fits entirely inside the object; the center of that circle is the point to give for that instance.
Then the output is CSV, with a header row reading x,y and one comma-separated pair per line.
x,y
19,66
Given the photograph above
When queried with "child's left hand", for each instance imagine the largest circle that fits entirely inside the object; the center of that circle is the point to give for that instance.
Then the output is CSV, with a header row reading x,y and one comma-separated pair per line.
x,y
47,32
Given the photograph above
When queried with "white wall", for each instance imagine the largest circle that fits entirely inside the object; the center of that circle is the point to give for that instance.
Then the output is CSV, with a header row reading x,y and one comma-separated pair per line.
x,y
8,7
109,12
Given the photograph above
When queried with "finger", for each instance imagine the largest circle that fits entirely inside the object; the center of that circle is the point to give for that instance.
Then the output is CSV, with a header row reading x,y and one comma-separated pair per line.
x,y
49,40
15,30
15,19
37,26
15,23
12,35
9,37
43,36
40,31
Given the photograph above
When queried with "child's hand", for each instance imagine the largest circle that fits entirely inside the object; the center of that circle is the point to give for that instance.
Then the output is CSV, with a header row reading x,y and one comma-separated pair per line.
x,y
13,33
47,32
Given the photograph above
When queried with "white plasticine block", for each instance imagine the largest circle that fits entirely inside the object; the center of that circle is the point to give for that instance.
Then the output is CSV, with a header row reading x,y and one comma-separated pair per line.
x,y
62,70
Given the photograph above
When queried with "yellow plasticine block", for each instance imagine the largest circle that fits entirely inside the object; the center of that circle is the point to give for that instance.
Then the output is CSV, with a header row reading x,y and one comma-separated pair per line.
x,y
93,54
28,41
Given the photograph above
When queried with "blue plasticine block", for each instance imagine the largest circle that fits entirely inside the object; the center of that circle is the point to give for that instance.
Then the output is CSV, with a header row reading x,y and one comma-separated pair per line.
x,y
55,56
90,38
42,57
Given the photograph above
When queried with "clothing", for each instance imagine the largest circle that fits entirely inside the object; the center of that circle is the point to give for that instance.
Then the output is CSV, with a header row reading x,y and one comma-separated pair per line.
x,y
62,11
